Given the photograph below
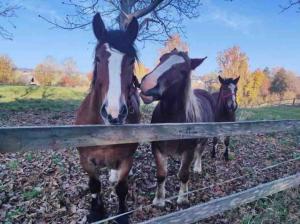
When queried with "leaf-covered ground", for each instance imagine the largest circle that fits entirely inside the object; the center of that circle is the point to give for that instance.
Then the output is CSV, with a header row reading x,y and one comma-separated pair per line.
x,y
51,187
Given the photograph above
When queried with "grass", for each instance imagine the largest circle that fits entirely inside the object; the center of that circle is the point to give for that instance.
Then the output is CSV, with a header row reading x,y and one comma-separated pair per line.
x,y
269,113
33,193
20,98
13,214
16,98
13,164
275,209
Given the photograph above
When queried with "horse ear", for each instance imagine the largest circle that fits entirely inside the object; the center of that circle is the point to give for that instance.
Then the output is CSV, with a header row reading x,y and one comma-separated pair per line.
x,y
236,80
195,62
221,79
132,29
99,27
174,50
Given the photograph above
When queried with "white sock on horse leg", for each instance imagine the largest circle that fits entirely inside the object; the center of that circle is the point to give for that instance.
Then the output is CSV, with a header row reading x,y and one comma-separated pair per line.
x,y
113,177
198,164
183,199
160,195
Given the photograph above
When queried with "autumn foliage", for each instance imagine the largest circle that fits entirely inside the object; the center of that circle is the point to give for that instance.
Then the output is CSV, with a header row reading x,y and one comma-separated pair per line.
x,y
256,86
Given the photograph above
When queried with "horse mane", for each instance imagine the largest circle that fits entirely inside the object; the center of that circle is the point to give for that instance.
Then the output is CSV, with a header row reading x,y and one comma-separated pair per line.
x,y
192,106
118,40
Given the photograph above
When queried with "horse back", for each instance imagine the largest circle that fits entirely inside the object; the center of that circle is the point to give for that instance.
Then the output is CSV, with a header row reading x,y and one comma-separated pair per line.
x,y
206,104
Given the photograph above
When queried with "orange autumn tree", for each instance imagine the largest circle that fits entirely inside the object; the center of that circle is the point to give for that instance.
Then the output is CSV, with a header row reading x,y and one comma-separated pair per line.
x,y
6,69
233,63
174,42
254,87
140,70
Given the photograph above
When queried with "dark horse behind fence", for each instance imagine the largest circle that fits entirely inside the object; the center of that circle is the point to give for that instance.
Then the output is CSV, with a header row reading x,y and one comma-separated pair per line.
x,y
112,99
226,105
170,84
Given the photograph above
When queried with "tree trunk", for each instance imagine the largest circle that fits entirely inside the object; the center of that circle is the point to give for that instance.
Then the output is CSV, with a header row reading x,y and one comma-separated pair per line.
x,y
125,6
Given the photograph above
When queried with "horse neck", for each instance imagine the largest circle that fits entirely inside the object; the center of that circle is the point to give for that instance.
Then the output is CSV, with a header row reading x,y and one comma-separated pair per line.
x,y
178,99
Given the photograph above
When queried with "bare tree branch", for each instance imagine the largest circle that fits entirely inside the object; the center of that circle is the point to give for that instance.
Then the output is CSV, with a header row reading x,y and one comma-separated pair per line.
x,y
159,19
290,4
7,11
147,10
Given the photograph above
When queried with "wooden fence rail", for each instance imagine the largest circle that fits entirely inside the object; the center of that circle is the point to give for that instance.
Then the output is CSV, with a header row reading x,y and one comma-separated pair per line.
x,y
13,139
217,206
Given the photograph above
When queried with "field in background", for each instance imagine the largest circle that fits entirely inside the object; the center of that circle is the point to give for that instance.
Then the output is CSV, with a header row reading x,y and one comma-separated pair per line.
x,y
54,185
17,98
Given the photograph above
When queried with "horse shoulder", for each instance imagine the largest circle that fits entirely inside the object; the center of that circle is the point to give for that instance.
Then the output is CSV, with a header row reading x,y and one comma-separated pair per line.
x,y
86,114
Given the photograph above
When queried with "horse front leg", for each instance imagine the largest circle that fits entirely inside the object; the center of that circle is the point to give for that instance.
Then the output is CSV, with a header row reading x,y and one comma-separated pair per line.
x,y
97,211
226,142
215,145
161,161
184,175
121,189
198,154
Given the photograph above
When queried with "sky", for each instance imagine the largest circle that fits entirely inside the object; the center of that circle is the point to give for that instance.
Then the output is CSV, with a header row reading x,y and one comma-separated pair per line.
x,y
268,37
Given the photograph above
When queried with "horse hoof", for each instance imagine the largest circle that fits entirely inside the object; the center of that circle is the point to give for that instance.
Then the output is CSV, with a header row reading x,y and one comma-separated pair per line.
x,y
159,202
183,200
124,219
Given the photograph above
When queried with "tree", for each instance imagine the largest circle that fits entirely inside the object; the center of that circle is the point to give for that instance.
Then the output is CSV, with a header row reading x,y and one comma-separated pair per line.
x,y
7,12
70,74
158,18
254,86
279,84
48,72
290,4
6,69
211,82
140,70
174,42
70,67
233,63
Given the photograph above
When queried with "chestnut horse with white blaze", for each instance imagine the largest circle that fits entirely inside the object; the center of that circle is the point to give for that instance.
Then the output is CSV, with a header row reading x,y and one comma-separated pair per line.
x,y
112,100
226,105
170,84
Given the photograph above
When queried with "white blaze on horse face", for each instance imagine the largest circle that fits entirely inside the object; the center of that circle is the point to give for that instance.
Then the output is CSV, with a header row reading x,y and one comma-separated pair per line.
x,y
150,80
114,94
232,89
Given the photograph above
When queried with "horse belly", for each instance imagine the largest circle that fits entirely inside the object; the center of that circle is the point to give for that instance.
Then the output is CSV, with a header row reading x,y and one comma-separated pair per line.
x,y
176,148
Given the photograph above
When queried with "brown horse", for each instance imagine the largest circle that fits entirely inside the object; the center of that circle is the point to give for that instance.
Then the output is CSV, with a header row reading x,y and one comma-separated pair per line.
x,y
226,105
112,99
170,84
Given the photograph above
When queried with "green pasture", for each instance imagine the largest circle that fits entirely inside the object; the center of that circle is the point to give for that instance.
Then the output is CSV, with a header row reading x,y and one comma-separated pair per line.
x,y
22,98
17,98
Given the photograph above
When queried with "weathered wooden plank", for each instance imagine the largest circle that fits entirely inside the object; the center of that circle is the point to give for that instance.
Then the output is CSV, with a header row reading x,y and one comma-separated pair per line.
x,y
217,206
13,139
